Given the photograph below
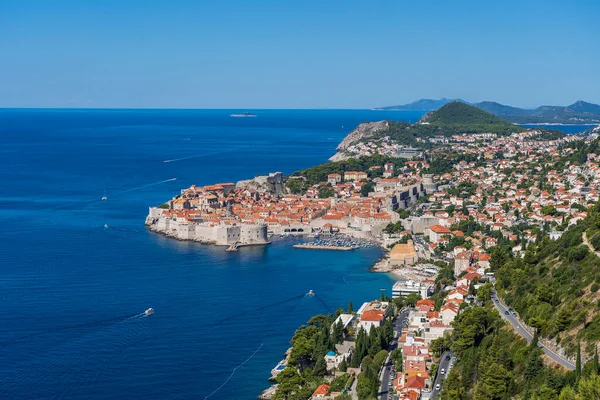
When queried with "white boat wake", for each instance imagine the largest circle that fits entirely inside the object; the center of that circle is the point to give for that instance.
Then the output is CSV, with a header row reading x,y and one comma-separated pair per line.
x,y
233,372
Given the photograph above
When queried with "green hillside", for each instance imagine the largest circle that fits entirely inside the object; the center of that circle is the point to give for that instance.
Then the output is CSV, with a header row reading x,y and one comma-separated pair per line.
x,y
457,117
555,287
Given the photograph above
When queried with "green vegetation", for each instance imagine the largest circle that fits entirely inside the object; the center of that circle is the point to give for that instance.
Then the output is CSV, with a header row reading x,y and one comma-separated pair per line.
x,y
319,173
164,206
457,117
441,163
394,227
495,364
326,191
306,368
296,185
553,288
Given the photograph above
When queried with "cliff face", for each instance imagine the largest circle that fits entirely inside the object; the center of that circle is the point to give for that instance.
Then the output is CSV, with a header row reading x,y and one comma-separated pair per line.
x,y
273,183
363,131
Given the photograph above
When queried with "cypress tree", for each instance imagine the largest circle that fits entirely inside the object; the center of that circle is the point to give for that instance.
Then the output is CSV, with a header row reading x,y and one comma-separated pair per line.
x,y
595,362
578,363
350,309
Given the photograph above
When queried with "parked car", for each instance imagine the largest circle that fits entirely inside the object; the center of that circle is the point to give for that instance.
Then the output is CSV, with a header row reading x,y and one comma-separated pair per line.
x,y
443,371
506,313
447,358
437,387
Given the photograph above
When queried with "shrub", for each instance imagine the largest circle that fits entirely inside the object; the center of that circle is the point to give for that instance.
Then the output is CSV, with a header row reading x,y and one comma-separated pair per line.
x,y
578,253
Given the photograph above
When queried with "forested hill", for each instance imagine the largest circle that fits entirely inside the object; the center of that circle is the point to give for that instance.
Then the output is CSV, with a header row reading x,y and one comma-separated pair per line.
x,y
453,118
556,286
457,113
457,117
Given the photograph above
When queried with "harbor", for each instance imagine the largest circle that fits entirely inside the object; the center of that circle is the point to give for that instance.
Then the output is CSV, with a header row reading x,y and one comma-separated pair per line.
x,y
338,243
312,246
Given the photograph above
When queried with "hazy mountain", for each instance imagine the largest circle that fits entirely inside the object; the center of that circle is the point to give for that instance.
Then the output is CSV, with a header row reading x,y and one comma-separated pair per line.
x,y
579,112
422,105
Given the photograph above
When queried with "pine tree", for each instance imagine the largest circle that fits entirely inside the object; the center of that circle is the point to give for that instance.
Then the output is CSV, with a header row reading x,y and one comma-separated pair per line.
x,y
320,367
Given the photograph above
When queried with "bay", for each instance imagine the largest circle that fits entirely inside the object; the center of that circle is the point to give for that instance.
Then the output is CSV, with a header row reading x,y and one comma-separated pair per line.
x,y
77,272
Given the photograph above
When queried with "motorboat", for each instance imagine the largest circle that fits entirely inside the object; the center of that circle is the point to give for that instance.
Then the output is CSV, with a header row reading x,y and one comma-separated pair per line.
x,y
311,293
104,198
149,311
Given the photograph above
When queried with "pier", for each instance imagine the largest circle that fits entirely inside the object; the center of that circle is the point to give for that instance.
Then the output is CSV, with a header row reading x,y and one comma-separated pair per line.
x,y
313,246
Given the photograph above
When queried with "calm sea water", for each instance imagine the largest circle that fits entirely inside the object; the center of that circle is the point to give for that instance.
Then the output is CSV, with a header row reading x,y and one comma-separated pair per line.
x,y
76,272
568,129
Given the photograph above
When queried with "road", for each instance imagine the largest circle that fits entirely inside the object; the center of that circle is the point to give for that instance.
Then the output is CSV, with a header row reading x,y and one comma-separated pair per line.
x,y
445,364
385,375
587,243
523,332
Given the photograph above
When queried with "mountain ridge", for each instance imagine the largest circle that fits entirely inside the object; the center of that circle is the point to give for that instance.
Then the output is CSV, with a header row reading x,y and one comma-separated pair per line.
x,y
579,112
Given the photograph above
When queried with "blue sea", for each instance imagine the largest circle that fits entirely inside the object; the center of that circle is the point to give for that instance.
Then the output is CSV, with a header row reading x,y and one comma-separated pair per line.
x,y
76,273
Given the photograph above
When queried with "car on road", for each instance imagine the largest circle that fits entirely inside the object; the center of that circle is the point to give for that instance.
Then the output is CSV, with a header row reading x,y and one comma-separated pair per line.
x,y
443,371
506,312
510,309
514,314
448,358
437,386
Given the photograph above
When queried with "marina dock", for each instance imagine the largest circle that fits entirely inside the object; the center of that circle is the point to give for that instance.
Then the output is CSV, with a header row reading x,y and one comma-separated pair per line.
x,y
313,246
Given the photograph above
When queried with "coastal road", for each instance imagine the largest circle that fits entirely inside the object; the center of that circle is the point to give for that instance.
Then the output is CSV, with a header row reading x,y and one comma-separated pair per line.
x,y
385,376
386,373
399,322
587,243
502,309
445,364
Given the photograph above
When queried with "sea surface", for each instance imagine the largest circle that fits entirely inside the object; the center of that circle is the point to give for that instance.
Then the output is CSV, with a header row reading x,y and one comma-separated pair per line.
x,y
76,273
568,129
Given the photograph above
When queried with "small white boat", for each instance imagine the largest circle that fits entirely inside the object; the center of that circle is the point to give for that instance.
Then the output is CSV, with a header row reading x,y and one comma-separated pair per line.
x,y
104,198
149,311
311,293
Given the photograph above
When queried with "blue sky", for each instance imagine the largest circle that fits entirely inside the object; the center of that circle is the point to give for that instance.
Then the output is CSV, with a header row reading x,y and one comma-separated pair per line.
x,y
296,54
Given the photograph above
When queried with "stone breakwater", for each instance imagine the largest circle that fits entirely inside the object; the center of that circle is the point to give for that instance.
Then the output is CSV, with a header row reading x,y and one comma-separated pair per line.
x,y
205,232
322,247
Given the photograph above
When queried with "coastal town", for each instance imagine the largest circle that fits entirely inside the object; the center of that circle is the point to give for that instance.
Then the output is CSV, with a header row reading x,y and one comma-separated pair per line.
x,y
446,217
455,216
413,358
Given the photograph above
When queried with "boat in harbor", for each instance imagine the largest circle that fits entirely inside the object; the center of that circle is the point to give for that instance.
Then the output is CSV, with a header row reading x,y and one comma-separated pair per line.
x,y
243,115
149,311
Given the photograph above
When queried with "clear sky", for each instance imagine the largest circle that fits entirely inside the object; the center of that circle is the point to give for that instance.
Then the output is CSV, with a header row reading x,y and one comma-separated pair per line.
x,y
296,54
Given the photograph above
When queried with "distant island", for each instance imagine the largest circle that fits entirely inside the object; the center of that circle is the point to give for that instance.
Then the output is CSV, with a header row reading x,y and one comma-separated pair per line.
x,y
577,113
